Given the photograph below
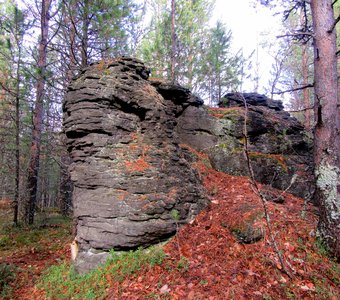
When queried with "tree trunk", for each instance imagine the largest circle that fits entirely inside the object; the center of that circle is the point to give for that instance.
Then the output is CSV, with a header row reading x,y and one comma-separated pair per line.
x,y
173,41
33,168
326,134
17,143
306,100
17,125
85,35
70,22
65,184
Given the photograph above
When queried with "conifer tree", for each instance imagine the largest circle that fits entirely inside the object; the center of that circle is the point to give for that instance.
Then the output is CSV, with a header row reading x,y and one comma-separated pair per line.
x,y
173,47
33,168
13,26
221,69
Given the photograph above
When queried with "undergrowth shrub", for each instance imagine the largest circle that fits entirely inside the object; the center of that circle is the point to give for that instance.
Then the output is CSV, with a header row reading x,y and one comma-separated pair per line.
x,y
62,282
7,275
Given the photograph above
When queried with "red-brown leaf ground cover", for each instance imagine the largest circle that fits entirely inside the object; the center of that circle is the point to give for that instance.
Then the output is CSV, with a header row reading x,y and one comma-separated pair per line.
x,y
30,266
206,260
29,251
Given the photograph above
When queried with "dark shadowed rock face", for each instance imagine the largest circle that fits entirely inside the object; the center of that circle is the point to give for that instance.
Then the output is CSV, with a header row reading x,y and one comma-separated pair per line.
x,y
254,99
128,171
280,153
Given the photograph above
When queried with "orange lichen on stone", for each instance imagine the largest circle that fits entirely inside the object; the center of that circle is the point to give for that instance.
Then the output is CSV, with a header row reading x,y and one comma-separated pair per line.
x,y
122,194
104,63
199,155
138,165
5,203
157,79
279,158
133,147
134,135
101,65
220,113
202,163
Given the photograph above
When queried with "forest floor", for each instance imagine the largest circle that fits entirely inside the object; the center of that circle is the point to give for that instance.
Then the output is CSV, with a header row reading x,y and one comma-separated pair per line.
x,y
225,253
25,252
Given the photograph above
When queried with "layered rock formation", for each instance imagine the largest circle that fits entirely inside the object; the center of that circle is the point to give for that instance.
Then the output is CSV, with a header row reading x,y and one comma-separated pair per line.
x,y
133,183
129,173
279,149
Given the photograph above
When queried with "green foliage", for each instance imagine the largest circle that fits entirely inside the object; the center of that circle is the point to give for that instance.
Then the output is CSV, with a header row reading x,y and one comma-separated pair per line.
x,y
203,61
7,275
61,282
106,28
191,23
183,264
204,282
175,214
220,70
321,246
322,291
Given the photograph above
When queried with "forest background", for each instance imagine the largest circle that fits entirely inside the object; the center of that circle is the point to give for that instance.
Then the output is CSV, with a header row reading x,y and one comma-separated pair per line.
x,y
45,43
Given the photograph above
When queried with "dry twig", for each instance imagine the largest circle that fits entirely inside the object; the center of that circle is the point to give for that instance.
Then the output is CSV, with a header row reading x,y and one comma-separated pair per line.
x,y
258,192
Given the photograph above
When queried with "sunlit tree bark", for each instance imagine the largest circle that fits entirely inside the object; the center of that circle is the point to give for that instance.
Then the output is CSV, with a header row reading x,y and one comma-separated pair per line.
x,y
326,112
326,134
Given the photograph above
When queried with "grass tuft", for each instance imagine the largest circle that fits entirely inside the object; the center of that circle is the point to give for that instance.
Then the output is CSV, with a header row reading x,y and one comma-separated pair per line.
x,y
62,282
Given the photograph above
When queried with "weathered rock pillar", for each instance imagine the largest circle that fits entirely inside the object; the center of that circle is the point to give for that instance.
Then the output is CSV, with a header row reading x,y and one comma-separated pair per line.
x,y
128,170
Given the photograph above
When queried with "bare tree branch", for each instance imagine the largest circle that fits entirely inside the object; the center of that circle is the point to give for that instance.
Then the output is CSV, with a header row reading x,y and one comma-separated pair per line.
x,y
301,110
295,34
295,89
334,24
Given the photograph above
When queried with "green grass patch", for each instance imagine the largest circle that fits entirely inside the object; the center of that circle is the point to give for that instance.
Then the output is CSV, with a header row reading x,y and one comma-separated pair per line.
x,y
49,233
62,282
48,229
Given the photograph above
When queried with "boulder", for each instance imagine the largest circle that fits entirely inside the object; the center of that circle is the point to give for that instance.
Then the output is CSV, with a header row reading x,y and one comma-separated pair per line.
x,y
254,99
128,170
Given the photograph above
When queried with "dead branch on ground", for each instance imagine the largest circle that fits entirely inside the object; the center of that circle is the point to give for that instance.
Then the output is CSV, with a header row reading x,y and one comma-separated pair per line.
x,y
257,191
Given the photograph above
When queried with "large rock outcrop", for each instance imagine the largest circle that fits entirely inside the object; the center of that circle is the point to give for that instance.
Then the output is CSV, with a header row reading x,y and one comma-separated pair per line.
x,y
279,150
133,183
129,173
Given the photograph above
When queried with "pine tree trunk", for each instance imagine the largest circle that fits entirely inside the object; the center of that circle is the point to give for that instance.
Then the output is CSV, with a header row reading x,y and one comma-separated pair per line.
x,y
71,35
173,41
85,35
65,184
326,134
33,168
306,100
17,144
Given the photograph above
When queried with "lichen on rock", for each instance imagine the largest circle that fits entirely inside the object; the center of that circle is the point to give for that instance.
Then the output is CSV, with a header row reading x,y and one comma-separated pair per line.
x,y
277,146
